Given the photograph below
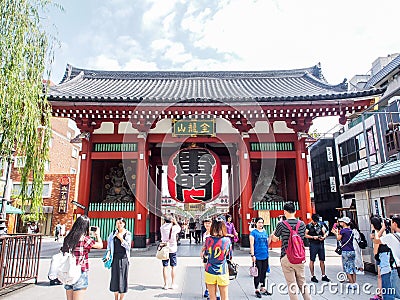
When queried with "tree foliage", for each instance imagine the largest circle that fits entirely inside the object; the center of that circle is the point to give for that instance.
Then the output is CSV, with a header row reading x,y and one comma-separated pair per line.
x,y
25,113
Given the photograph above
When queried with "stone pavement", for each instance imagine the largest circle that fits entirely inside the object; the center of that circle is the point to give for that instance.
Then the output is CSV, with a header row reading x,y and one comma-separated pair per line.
x,y
145,278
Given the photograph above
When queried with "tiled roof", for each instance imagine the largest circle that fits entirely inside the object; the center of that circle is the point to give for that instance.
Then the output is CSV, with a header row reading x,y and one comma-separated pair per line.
x,y
390,67
385,169
80,85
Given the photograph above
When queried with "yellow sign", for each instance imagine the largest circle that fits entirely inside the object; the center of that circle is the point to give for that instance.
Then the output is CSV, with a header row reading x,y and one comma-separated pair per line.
x,y
266,216
193,127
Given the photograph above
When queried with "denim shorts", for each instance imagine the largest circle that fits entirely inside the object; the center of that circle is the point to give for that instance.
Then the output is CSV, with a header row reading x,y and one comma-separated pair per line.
x,y
81,284
172,260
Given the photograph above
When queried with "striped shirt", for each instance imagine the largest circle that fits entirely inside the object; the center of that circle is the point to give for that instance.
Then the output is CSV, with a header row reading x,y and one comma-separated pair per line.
x,y
284,233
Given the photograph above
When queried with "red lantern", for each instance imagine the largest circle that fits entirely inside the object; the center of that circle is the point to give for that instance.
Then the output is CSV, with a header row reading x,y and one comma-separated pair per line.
x,y
194,175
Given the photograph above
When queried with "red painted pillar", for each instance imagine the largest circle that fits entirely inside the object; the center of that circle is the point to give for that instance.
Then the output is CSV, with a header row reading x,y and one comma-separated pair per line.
x,y
152,202
141,195
303,188
246,204
85,175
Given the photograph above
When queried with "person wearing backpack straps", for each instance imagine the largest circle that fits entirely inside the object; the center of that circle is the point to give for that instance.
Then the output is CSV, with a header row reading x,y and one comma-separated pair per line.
x,y
118,248
168,231
78,242
392,240
316,234
291,232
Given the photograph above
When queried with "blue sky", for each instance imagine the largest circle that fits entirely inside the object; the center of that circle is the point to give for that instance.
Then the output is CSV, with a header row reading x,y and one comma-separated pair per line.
x,y
344,36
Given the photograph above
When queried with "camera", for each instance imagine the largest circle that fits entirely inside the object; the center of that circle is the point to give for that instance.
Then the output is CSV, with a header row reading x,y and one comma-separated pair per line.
x,y
388,224
93,228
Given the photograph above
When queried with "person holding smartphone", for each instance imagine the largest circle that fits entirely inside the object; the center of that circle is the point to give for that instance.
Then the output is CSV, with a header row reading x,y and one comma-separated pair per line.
x,y
78,242
118,249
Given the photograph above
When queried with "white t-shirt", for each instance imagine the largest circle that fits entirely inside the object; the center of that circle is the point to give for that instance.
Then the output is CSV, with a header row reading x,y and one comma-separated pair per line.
x,y
394,245
172,243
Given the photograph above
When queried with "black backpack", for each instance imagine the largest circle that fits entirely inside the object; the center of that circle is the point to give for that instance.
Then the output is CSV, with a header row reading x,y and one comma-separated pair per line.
x,y
363,241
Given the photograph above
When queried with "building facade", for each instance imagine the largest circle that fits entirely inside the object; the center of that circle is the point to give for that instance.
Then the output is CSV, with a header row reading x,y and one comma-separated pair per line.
x,y
368,154
59,186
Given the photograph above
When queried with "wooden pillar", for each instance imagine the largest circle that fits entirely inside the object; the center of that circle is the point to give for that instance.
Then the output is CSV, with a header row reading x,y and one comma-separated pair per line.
x,y
245,191
85,175
141,195
303,188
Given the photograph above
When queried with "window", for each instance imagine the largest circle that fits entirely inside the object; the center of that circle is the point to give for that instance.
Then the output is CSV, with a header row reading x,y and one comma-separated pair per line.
x,y
46,189
19,161
75,152
47,166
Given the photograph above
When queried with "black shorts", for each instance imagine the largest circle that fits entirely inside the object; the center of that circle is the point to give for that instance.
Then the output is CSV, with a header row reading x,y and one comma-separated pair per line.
x,y
317,249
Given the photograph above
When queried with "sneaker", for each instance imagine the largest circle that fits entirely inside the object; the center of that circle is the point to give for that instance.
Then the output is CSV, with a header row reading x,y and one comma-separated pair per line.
x,y
360,272
266,293
258,294
325,278
165,287
314,279
173,287
206,294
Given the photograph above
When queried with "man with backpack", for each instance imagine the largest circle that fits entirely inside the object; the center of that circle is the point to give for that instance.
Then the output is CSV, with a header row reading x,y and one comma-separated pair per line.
x,y
292,231
316,234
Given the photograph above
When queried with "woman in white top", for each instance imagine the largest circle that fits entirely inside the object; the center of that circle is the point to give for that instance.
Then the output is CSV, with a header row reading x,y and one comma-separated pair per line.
x,y
359,260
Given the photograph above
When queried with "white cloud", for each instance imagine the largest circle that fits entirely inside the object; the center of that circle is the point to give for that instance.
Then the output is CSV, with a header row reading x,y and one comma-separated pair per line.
x,y
157,12
139,65
102,62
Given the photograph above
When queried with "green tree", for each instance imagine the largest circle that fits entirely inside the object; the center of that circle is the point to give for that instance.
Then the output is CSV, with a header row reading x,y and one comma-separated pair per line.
x,y
26,52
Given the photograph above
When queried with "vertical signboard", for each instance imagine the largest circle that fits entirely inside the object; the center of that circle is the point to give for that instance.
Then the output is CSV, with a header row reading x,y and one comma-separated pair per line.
x,y
329,153
332,183
64,195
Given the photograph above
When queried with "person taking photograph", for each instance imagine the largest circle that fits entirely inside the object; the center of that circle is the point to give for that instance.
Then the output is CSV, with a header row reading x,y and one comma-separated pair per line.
x,y
78,242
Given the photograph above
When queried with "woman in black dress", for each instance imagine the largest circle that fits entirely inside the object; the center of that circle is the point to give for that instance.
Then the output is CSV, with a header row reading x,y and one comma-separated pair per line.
x,y
118,246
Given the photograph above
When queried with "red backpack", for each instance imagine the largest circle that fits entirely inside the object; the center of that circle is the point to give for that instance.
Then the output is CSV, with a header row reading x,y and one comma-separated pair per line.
x,y
295,251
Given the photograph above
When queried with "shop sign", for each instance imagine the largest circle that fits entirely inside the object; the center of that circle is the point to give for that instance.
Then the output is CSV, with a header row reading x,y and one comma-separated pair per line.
x,y
64,194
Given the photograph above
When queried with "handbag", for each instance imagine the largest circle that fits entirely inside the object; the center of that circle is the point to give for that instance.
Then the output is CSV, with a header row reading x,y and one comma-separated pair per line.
x,y
339,246
232,269
64,268
107,260
163,249
253,270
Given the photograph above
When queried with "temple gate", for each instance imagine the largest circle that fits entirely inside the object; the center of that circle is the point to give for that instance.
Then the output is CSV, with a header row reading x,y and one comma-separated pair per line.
x,y
255,122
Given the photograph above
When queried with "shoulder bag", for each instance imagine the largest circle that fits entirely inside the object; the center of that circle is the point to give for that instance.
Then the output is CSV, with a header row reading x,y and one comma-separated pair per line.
x,y
64,268
163,249
339,247
232,268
